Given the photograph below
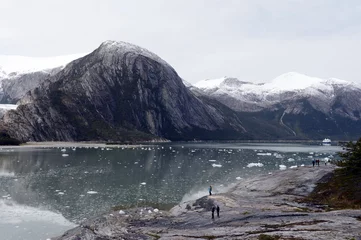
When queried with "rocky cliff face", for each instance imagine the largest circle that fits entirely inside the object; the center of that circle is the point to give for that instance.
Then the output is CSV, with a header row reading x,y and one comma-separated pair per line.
x,y
118,92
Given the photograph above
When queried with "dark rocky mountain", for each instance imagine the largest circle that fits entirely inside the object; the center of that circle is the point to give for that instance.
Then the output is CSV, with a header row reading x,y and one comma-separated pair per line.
x,y
293,106
119,92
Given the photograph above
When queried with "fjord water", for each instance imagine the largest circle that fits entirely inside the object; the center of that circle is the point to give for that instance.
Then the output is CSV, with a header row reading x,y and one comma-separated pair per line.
x,y
45,191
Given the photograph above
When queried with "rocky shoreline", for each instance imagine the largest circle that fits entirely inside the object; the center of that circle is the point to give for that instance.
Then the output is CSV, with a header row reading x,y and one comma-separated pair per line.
x,y
264,207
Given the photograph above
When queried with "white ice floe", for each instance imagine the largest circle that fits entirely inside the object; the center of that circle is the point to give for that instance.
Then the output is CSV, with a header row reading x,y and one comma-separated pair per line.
x,y
216,165
291,160
92,192
212,160
63,150
4,173
64,155
293,167
156,210
255,165
143,183
282,167
264,154
238,178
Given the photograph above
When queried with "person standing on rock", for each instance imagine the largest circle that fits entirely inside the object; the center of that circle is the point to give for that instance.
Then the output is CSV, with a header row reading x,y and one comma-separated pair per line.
x,y
218,211
213,209
210,190
313,163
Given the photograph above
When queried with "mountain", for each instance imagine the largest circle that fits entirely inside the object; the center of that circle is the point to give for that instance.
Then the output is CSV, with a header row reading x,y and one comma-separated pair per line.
x,y
20,74
307,107
119,92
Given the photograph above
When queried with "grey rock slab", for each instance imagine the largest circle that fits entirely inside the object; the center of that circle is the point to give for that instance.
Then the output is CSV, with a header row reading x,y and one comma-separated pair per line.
x,y
261,205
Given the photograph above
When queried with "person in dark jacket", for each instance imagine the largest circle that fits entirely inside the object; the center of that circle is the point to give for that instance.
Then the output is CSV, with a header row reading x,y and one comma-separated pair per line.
x,y
218,211
210,190
213,209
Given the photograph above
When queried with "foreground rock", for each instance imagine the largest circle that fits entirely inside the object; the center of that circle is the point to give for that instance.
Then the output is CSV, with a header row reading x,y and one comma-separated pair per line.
x,y
265,205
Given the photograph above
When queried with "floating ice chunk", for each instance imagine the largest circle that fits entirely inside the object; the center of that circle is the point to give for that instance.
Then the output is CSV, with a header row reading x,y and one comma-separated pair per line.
x,y
149,211
63,150
238,178
255,165
302,165
216,165
269,173
121,212
92,192
143,183
282,167
64,155
156,210
291,159
293,167
61,193
212,160
311,153
264,154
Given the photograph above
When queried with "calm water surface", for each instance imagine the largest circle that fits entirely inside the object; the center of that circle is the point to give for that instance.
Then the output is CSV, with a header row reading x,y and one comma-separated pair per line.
x,y
45,191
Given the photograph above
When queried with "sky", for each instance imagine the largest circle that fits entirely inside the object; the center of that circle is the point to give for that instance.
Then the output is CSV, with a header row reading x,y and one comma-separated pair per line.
x,y
253,40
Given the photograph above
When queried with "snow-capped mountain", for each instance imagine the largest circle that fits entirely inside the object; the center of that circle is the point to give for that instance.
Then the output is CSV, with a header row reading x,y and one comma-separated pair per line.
x,y
118,92
250,97
306,107
19,74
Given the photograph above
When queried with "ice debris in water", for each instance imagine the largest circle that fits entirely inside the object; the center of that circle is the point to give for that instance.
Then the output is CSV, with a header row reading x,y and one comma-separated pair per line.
x,y
255,165
216,165
293,167
121,212
65,155
291,159
156,210
63,150
282,167
212,160
264,154
91,192
238,178
143,183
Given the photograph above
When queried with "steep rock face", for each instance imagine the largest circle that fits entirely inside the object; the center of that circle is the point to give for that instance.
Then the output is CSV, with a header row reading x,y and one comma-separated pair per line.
x,y
120,91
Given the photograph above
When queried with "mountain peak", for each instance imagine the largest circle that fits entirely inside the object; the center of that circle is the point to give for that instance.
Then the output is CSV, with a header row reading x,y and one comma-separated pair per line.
x,y
119,47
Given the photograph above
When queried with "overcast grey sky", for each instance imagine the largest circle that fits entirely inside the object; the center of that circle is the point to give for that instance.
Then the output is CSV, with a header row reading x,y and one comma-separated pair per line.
x,y
254,40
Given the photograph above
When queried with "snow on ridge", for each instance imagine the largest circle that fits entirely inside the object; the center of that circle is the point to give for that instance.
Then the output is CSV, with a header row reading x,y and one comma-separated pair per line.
x,y
21,64
8,106
291,81
209,83
123,47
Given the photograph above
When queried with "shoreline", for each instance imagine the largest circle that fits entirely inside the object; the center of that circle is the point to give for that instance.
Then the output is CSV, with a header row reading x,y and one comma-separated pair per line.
x,y
265,204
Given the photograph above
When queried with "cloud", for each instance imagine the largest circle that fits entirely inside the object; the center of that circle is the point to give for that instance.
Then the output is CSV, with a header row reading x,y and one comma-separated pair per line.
x,y
253,40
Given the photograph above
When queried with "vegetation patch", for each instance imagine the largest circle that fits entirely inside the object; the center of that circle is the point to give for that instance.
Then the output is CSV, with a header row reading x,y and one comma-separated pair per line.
x,y
268,237
6,140
342,190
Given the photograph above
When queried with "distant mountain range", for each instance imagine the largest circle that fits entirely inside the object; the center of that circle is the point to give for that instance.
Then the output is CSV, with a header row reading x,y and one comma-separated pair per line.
x,y
124,92
307,107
